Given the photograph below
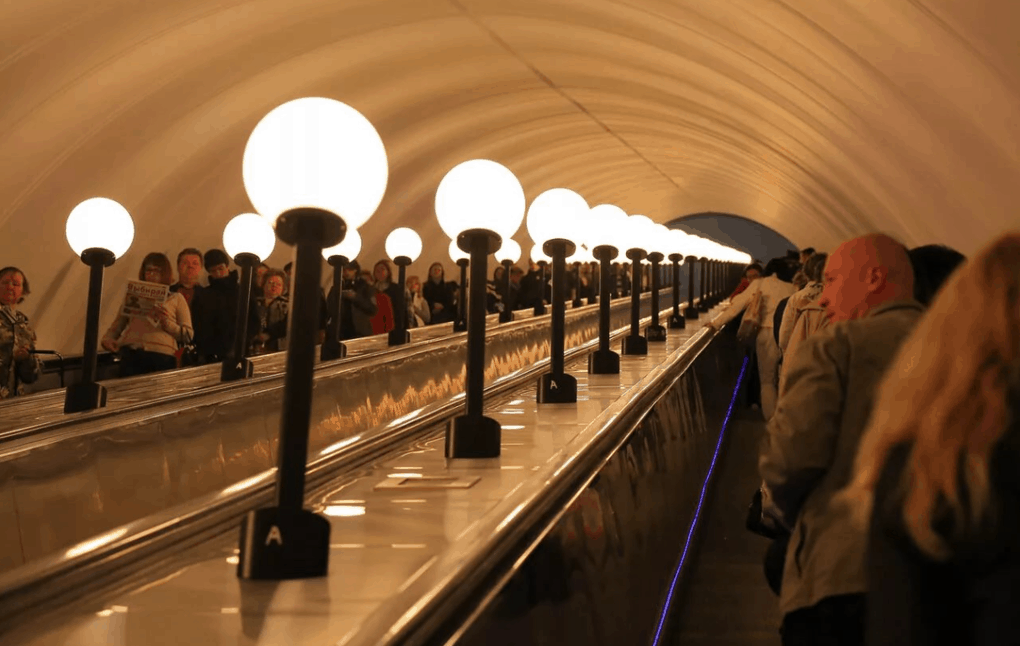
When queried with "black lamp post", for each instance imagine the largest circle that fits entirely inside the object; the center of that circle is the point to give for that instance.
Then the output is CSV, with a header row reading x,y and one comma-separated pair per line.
x,y
99,230
508,254
473,435
577,302
506,315
479,203
399,334
332,346
676,319
604,361
594,282
634,343
87,394
691,311
236,365
702,303
655,332
557,387
540,305
247,238
403,246
460,323
325,156
288,541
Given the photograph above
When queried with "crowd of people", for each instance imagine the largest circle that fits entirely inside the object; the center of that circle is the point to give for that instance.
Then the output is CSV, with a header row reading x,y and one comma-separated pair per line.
x,y
195,324
888,380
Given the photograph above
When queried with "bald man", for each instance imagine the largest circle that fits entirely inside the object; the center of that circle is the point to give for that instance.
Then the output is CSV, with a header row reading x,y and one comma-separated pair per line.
x,y
810,444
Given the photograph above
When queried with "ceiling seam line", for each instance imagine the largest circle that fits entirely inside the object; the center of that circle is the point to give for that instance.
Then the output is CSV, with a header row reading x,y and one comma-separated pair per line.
x,y
547,81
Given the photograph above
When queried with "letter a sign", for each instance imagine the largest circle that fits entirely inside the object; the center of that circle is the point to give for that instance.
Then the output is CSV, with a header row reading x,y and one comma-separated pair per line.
x,y
274,535
552,385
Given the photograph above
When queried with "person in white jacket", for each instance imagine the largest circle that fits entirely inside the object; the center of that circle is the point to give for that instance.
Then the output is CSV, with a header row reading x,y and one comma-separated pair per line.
x,y
773,287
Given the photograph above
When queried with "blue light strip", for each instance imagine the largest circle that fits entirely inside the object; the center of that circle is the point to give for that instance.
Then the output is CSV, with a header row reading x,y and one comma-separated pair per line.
x,y
701,501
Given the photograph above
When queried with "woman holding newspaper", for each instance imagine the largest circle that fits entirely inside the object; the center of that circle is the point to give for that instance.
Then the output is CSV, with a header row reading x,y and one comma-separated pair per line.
x,y
152,322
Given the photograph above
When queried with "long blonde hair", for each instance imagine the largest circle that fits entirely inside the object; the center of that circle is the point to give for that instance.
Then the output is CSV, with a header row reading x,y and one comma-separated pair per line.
x,y
947,392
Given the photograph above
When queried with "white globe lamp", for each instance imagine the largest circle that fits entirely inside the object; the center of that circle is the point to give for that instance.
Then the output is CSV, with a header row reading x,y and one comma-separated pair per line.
x,y
99,231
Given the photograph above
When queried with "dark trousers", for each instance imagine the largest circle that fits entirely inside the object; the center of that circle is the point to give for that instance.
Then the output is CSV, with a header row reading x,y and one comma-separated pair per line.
x,y
139,362
833,621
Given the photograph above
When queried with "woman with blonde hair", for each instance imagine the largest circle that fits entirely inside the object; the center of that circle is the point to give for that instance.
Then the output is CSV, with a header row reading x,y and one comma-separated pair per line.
x,y
938,469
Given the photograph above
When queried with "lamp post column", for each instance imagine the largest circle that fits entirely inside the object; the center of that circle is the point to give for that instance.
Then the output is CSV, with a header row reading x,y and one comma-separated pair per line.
x,y
577,302
676,320
236,365
460,325
691,311
333,347
702,304
655,332
87,394
399,334
474,435
634,343
301,545
540,306
507,315
556,387
604,361
594,283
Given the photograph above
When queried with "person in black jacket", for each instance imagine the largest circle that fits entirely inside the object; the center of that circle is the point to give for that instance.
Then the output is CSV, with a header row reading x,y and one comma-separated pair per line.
x,y
937,477
214,309
359,304
440,295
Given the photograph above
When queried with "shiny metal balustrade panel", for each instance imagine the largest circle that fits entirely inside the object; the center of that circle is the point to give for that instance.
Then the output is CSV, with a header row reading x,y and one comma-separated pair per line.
x,y
397,549
85,478
48,406
603,568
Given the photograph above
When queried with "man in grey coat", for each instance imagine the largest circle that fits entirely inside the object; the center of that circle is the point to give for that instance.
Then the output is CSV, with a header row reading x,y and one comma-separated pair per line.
x,y
808,452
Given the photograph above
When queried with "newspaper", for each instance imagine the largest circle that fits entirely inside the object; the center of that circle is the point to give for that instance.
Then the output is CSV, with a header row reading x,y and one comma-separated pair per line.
x,y
142,297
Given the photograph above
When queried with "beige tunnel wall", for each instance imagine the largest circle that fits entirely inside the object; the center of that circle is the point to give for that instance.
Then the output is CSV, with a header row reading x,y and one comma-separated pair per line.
x,y
818,118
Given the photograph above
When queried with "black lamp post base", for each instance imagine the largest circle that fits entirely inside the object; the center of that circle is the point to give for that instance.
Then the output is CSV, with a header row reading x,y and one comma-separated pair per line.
x,y
540,310
332,351
603,363
233,370
83,397
279,544
703,306
398,337
635,344
557,389
655,334
506,317
593,300
460,326
576,303
473,437
677,322
691,313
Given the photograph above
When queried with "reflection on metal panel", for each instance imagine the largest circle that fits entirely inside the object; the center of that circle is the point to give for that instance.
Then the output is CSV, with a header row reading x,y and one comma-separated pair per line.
x,y
120,466
600,575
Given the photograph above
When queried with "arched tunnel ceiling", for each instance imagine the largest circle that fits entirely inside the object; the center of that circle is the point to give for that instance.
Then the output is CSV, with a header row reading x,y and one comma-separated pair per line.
x,y
817,119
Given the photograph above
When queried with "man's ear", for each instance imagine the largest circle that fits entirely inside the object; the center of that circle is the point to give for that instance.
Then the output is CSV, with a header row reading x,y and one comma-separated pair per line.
x,y
875,278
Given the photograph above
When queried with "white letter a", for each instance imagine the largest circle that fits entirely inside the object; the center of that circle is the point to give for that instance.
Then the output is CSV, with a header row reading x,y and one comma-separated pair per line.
x,y
274,535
